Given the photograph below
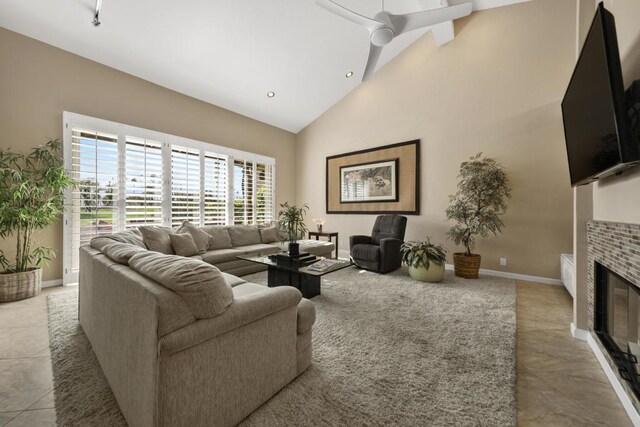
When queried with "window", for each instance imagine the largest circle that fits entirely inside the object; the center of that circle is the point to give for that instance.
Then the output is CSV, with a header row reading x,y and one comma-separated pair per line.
x,y
215,189
131,177
243,207
185,185
143,182
94,204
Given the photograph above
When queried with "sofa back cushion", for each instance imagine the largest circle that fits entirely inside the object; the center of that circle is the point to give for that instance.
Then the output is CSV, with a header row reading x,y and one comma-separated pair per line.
x,y
121,252
132,237
200,237
202,287
268,235
156,238
220,238
244,235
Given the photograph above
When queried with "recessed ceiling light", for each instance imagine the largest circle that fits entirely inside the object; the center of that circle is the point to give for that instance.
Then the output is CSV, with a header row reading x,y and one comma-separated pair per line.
x,y
271,94
349,74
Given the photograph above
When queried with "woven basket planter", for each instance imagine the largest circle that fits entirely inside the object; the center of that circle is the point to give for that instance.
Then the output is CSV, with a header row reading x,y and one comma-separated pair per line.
x,y
466,266
18,286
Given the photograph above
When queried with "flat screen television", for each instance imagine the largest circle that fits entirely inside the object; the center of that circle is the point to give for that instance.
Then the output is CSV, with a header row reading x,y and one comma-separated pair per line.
x,y
597,132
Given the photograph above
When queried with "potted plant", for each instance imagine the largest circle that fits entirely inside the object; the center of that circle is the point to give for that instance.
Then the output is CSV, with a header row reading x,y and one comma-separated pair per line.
x,y
31,198
476,207
425,260
291,225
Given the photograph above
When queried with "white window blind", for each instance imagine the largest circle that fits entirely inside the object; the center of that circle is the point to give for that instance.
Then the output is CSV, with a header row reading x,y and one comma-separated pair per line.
x,y
93,209
243,196
185,185
131,176
264,193
215,189
143,182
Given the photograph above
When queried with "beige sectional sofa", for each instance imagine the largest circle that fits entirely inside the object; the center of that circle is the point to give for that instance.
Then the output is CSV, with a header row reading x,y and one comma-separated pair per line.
x,y
182,343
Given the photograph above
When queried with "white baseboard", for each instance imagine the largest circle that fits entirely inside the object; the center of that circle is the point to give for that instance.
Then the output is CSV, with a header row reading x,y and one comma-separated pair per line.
x,y
580,334
516,276
345,254
615,382
50,283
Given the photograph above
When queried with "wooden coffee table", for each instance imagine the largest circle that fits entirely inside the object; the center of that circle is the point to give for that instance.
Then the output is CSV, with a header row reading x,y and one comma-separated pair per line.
x,y
306,281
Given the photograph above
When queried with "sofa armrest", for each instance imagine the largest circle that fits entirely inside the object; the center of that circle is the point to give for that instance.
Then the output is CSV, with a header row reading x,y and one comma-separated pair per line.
x,y
359,240
390,256
244,310
306,315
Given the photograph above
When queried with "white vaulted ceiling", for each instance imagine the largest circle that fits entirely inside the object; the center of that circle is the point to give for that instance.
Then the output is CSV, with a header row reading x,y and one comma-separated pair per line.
x,y
228,53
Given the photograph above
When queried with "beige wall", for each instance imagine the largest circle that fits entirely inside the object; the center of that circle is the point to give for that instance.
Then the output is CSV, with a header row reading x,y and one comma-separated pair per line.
x,y
38,82
497,89
618,198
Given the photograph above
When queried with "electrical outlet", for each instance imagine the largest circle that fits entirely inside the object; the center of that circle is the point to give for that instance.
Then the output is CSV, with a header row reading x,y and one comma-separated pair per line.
x,y
503,262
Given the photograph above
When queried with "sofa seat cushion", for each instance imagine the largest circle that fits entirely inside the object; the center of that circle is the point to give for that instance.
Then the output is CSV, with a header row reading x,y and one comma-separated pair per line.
x,y
201,238
121,252
260,248
247,288
317,247
243,235
219,256
366,252
232,280
220,238
201,286
156,238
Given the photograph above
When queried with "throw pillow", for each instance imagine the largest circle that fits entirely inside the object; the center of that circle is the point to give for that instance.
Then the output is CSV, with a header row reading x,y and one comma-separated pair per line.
x,y
183,244
201,238
156,238
201,285
268,235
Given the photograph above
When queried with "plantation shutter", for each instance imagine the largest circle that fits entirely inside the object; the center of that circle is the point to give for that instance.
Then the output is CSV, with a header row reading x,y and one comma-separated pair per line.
x,y
185,185
143,182
215,189
94,204
264,193
243,200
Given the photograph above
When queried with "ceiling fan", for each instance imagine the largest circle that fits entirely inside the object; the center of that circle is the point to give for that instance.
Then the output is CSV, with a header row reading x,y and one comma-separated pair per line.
x,y
385,26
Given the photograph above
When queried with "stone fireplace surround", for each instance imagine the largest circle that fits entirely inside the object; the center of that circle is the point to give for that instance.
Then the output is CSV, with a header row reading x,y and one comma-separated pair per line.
x,y
617,247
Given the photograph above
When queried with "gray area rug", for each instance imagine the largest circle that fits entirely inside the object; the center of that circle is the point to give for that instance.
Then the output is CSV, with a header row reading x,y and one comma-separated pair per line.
x,y
387,351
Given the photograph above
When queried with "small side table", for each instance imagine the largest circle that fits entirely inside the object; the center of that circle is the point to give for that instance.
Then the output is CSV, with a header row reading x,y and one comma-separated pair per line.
x,y
330,236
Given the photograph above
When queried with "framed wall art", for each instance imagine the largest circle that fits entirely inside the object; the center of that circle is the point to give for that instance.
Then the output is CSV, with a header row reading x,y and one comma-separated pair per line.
x,y
377,180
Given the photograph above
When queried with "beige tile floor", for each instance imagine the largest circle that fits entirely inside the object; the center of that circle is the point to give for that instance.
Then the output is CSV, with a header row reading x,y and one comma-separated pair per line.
x,y
559,380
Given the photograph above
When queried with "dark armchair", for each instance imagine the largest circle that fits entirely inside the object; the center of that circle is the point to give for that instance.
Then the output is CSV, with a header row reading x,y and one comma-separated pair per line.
x,y
381,251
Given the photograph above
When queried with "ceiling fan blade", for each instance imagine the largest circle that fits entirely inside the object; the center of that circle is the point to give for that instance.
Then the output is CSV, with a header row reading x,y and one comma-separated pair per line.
x,y
374,55
426,18
352,16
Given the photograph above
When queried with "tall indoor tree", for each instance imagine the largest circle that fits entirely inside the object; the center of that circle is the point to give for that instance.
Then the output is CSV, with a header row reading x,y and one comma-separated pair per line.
x,y
477,207
31,198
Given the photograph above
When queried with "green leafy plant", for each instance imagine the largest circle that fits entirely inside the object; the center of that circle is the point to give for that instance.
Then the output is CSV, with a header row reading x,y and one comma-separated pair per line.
x,y
479,202
291,222
31,198
423,253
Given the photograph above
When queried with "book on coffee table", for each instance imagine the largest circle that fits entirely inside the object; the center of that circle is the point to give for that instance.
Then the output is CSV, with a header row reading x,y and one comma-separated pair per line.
x,y
322,265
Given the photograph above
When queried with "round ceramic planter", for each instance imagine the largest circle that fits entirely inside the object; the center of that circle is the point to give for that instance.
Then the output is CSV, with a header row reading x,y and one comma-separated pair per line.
x,y
19,286
433,274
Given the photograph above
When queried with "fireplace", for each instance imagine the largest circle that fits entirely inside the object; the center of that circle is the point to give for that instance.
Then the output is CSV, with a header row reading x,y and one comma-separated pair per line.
x,y
613,305
617,321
